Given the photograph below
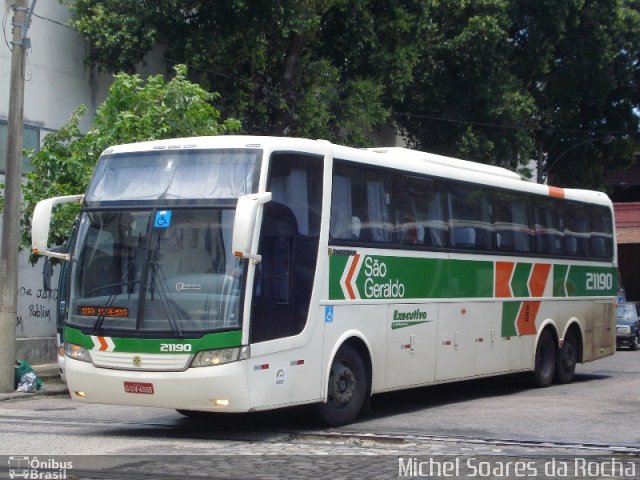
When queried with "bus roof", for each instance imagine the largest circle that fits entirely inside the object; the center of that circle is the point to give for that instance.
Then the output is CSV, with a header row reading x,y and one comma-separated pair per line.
x,y
447,161
391,157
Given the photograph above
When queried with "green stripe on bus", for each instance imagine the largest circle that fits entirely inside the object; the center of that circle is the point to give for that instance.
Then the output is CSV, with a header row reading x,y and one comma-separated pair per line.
x,y
382,277
210,341
468,279
587,281
373,277
76,337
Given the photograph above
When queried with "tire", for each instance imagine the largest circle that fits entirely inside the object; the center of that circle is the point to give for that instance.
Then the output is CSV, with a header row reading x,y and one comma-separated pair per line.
x,y
195,414
545,361
636,343
566,359
346,390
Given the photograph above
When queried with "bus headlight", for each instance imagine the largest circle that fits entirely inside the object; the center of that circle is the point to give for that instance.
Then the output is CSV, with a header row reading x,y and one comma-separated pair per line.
x,y
209,358
77,352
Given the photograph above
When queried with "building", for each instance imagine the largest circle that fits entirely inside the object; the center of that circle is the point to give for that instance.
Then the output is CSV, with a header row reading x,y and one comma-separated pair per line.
x,y
625,193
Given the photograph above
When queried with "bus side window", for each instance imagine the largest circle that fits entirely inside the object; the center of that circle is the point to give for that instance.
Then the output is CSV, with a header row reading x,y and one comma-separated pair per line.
x,y
601,238
469,209
419,212
577,231
344,224
549,226
360,198
511,222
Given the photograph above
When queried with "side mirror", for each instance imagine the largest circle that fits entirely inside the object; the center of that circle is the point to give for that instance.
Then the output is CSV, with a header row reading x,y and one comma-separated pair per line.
x,y
244,224
41,221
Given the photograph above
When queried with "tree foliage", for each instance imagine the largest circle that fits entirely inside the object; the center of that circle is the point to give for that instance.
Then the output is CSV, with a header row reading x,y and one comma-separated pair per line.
x,y
580,60
466,100
318,68
134,110
497,81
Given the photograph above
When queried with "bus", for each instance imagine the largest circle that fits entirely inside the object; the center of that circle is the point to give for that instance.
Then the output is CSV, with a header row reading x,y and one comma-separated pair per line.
x,y
245,273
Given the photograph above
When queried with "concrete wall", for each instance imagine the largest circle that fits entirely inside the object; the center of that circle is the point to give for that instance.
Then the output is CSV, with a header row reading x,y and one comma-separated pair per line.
x,y
57,82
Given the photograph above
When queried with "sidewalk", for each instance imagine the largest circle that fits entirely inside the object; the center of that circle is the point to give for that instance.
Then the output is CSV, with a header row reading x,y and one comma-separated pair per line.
x,y
52,384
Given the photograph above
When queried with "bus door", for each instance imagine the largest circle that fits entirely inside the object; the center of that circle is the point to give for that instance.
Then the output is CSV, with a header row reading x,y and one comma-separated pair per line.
x,y
283,282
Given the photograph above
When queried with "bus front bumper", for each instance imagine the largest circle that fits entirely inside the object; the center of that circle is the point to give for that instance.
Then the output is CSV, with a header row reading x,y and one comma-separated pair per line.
x,y
220,388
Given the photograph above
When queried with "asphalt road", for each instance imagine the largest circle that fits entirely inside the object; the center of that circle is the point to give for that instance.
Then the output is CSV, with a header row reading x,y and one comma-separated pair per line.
x,y
601,407
598,414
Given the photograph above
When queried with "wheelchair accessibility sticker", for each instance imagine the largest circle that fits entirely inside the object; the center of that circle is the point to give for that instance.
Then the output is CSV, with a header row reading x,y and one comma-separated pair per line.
x,y
163,219
328,314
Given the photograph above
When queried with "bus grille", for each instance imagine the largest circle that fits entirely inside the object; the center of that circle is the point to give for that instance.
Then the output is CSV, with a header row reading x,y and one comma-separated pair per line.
x,y
141,361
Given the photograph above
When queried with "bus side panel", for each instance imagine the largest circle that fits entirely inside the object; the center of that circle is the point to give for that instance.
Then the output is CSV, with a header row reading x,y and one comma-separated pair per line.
x,y
596,319
366,322
495,352
280,373
455,344
412,331
600,332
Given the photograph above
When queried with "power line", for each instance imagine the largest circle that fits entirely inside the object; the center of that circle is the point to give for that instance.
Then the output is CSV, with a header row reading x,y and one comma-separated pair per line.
x,y
514,126
5,17
54,21
274,89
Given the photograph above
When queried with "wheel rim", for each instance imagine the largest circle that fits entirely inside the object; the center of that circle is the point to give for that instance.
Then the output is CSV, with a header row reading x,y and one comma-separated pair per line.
x,y
343,385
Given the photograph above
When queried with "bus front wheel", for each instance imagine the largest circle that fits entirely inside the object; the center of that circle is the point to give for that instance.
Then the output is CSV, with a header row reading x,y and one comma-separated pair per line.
x,y
195,414
545,364
346,389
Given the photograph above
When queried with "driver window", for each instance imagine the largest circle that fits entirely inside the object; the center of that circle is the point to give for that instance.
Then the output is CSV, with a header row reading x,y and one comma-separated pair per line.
x,y
289,247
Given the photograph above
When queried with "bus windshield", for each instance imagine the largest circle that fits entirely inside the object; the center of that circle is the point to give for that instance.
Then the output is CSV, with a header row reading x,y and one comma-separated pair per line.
x,y
154,243
173,175
160,272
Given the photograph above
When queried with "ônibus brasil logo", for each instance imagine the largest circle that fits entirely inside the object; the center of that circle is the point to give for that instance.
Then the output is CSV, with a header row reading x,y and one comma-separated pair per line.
x,y
377,283
38,469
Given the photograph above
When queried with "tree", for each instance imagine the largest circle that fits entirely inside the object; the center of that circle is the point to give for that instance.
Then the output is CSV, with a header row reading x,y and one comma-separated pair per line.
x,y
318,68
134,110
496,81
465,100
585,82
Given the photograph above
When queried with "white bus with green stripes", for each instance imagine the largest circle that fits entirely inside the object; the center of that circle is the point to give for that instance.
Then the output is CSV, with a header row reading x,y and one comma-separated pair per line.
x,y
238,273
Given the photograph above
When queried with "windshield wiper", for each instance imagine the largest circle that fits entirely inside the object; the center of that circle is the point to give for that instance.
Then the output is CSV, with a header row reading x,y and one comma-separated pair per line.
x,y
171,308
102,315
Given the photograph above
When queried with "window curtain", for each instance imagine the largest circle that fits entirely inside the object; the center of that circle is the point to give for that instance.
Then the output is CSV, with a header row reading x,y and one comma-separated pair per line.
x,y
341,210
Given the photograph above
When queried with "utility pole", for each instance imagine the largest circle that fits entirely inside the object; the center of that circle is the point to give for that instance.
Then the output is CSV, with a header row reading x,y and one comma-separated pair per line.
x,y
12,199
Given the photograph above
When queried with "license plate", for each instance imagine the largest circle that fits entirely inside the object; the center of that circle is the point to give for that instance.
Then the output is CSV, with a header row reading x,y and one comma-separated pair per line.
x,y
139,387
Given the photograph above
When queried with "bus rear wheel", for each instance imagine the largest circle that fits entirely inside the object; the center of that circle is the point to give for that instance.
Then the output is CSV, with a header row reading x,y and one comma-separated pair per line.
x,y
346,389
545,363
567,358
